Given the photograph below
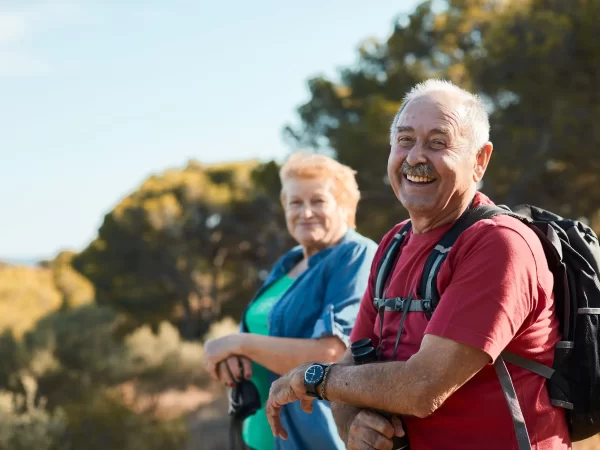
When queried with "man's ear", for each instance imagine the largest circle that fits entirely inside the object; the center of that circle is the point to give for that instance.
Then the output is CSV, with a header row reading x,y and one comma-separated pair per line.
x,y
482,160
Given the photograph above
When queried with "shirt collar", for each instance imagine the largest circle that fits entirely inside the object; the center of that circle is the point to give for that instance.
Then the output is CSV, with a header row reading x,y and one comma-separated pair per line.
x,y
294,256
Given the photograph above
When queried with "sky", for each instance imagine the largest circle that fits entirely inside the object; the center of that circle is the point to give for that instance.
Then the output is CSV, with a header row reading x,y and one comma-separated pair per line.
x,y
95,96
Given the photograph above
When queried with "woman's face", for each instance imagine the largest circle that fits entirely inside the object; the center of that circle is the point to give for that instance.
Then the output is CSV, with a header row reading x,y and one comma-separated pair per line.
x,y
313,216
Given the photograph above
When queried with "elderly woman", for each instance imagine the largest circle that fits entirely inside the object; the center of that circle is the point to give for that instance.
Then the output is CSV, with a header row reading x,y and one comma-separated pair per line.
x,y
307,306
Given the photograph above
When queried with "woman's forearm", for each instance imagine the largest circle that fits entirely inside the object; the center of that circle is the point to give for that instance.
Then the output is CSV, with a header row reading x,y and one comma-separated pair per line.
x,y
280,355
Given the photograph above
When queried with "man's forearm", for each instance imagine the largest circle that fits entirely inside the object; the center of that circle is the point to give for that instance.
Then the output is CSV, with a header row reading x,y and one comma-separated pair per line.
x,y
380,386
416,387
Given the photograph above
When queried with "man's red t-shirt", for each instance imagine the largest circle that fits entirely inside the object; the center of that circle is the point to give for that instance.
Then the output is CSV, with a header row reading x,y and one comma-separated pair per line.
x,y
495,293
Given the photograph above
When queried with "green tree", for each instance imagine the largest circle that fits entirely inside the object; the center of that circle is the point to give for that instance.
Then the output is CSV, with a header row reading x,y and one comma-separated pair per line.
x,y
183,245
24,426
534,61
15,358
351,117
539,66
76,351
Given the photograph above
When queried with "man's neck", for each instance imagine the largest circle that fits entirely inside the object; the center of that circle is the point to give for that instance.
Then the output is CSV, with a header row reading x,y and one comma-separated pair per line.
x,y
424,224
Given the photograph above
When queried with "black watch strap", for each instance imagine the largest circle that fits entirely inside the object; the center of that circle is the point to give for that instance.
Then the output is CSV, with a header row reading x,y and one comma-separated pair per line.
x,y
312,391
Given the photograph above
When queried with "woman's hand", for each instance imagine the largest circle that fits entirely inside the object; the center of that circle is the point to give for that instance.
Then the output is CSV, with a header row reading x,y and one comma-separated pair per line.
x,y
217,350
233,369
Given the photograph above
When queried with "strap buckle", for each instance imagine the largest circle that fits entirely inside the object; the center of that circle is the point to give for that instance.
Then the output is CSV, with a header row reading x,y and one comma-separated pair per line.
x,y
426,304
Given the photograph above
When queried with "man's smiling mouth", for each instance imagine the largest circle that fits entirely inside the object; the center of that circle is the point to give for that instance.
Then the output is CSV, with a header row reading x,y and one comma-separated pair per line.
x,y
419,179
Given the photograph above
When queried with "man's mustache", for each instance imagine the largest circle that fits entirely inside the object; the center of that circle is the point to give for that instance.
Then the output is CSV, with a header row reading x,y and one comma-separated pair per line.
x,y
422,170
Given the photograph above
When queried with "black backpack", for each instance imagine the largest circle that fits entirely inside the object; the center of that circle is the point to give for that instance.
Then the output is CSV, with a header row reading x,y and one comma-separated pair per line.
x,y
573,255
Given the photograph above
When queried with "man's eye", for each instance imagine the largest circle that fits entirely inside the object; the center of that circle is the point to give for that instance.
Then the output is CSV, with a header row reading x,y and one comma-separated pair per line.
x,y
404,139
438,143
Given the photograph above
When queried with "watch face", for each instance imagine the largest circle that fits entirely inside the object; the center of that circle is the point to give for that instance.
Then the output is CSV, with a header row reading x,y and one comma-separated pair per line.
x,y
313,374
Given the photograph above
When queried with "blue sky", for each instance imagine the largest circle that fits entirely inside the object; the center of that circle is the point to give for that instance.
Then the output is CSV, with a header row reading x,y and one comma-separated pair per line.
x,y
97,95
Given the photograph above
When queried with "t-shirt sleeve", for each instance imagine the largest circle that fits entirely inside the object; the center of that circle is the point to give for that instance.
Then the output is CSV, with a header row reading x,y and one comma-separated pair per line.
x,y
346,284
365,321
491,293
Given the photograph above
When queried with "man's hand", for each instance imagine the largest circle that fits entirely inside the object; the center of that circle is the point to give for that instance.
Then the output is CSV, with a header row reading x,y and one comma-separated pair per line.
x,y
343,415
287,389
370,430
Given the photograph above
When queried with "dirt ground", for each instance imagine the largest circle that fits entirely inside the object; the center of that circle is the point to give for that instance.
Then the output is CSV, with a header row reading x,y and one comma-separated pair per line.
x,y
208,426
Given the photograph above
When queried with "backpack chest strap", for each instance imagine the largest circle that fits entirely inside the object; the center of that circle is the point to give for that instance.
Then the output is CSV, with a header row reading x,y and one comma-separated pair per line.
x,y
397,304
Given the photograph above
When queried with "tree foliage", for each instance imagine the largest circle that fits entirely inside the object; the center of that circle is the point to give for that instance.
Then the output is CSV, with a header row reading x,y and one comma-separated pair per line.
x,y
191,245
536,64
183,245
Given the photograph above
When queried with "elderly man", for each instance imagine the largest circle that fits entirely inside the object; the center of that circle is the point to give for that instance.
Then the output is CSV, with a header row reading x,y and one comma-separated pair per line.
x,y
495,293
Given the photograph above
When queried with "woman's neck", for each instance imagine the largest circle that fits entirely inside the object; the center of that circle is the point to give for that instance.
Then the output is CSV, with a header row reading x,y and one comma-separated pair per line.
x,y
311,250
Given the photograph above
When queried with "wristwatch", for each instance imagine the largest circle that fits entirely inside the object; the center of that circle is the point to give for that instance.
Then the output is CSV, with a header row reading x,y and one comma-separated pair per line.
x,y
313,376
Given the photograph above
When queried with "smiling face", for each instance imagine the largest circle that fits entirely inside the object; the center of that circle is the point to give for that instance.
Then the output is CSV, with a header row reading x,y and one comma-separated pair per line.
x,y
433,167
313,216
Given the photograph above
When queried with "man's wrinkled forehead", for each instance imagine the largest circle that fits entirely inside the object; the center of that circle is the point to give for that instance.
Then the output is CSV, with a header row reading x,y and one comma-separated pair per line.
x,y
439,112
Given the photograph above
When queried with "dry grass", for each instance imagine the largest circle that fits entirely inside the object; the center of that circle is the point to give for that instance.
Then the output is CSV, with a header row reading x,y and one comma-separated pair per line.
x,y
208,427
29,293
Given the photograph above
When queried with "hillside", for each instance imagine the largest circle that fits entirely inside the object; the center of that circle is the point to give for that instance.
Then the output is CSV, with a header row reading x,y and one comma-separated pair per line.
x,y
29,293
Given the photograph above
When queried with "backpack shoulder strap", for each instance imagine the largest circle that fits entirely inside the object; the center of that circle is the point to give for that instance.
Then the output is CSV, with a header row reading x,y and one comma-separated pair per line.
x,y
428,287
430,292
387,261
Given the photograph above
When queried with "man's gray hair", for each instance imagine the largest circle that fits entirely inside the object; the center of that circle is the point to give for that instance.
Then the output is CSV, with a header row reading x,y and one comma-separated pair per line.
x,y
475,120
